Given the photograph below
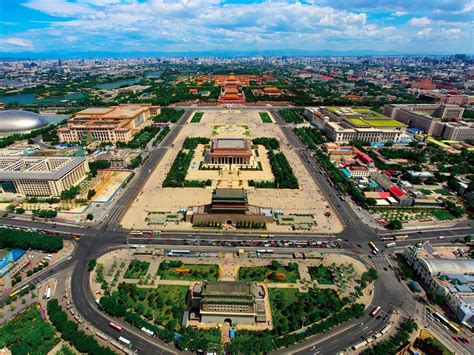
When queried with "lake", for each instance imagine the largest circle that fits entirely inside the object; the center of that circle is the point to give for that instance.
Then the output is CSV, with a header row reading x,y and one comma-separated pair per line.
x,y
153,74
116,84
55,118
31,99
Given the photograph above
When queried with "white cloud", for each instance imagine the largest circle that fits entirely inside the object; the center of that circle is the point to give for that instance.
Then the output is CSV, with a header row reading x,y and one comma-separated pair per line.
x,y
424,33
189,25
419,21
16,41
61,8
452,33
439,34
399,13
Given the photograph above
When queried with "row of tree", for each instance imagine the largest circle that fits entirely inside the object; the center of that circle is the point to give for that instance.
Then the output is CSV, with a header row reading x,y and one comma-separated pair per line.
x,y
269,143
82,342
169,114
178,171
29,240
310,136
192,143
282,171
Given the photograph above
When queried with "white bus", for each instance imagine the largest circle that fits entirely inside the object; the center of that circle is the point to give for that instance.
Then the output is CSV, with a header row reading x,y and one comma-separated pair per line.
x,y
125,341
147,331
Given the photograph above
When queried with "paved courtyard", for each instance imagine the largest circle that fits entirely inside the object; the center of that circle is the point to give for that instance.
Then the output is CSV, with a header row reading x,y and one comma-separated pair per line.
x,y
308,199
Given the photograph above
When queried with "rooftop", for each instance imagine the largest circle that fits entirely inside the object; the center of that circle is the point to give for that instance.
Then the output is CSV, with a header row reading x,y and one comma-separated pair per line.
x,y
230,143
36,168
229,193
122,111
450,266
374,122
225,288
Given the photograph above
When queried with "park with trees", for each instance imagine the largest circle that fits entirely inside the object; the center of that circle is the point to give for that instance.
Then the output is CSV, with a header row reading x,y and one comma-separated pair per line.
x,y
28,333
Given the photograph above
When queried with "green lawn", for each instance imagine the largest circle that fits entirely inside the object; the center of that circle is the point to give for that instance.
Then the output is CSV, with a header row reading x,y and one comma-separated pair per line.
x,y
191,272
322,274
426,192
265,117
269,273
443,215
28,334
197,117
136,269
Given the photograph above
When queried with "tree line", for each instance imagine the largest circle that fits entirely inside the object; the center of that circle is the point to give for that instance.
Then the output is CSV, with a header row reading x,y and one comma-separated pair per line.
x,y
269,143
69,331
29,240
282,171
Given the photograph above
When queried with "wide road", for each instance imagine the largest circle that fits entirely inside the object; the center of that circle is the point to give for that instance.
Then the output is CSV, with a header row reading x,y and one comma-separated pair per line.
x,y
390,294
84,301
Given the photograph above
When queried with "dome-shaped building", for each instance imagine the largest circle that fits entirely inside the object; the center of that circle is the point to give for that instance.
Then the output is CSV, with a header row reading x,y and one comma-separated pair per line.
x,y
18,121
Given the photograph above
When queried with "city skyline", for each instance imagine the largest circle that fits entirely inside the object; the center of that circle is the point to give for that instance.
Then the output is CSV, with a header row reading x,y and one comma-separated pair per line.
x,y
71,28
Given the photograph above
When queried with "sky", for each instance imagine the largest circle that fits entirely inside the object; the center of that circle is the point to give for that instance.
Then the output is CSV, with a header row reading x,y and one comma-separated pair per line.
x,y
391,26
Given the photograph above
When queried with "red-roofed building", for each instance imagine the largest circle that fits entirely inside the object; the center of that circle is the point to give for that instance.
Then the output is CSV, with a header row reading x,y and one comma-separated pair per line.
x,y
365,158
400,196
396,192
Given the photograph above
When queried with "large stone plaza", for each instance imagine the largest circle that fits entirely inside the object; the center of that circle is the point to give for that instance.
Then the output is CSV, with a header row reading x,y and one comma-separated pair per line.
x,y
231,128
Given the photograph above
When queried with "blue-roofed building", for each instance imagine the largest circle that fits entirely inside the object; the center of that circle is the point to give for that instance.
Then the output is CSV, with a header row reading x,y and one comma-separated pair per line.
x,y
15,254
3,264
8,260
346,172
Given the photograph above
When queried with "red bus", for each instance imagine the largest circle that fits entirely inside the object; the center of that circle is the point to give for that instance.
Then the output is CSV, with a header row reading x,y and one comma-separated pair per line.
x,y
376,311
115,326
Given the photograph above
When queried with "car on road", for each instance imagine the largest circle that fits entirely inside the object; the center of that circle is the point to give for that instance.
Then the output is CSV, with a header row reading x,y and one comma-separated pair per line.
x,y
456,338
